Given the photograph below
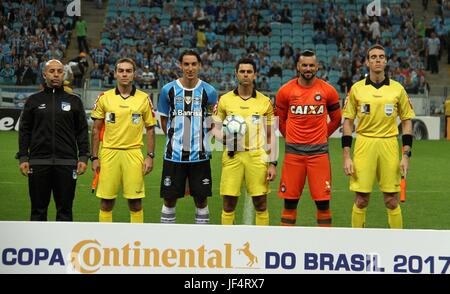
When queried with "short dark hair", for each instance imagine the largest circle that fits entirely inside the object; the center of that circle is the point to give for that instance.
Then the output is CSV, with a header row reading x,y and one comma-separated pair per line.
x,y
375,46
125,60
246,60
306,53
189,52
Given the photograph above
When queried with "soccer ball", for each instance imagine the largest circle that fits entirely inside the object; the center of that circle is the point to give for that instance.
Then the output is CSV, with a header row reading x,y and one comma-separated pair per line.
x,y
234,124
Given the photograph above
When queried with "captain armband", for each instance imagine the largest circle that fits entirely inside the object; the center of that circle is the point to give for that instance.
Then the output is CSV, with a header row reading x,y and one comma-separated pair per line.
x,y
407,139
346,141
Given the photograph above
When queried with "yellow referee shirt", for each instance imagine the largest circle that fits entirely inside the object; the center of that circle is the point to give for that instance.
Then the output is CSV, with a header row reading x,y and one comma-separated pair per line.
x,y
124,118
256,110
376,107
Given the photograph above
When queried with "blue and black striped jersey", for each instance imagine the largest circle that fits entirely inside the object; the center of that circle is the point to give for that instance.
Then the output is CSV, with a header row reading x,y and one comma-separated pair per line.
x,y
187,110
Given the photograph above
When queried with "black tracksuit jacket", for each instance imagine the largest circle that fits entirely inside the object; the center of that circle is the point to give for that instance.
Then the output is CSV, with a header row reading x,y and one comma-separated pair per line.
x,y
53,129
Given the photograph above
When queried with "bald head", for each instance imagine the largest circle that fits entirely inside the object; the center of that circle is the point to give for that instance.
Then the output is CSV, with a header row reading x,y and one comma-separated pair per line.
x,y
53,61
54,73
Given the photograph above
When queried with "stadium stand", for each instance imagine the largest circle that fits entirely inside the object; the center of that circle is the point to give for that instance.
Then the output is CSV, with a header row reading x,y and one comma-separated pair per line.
x,y
31,32
154,32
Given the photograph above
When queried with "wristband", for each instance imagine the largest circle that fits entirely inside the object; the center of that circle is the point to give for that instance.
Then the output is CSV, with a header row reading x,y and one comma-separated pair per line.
x,y
346,141
407,139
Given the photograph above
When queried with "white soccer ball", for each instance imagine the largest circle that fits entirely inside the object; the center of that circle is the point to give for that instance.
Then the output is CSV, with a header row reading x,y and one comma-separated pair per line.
x,y
234,124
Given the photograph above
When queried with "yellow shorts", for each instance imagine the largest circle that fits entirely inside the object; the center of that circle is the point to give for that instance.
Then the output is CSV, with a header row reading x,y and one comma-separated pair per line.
x,y
248,165
376,158
121,167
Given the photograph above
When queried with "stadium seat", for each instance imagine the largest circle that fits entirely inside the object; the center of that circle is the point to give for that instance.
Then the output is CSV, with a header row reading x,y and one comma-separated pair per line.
x,y
332,47
286,32
276,57
321,47
274,86
95,83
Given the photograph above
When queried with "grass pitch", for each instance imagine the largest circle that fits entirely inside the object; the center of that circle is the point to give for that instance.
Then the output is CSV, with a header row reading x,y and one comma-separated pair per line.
x,y
427,205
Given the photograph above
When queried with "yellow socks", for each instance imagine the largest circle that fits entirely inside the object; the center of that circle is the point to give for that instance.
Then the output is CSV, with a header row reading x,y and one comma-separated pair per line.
x,y
137,216
358,217
227,218
395,218
105,216
262,218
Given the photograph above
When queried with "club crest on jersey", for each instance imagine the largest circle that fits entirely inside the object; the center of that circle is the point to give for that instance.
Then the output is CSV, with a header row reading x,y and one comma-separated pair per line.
x,y
65,106
317,97
188,99
388,109
307,109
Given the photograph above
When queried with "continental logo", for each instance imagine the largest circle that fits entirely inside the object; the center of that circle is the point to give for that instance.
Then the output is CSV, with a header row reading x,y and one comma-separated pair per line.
x,y
307,109
90,256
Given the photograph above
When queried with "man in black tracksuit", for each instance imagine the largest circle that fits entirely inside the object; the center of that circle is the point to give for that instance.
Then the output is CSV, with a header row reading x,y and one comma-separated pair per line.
x,y
53,145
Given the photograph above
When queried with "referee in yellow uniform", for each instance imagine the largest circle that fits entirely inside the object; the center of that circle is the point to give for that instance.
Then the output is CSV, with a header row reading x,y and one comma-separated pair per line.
x,y
125,111
376,102
251,161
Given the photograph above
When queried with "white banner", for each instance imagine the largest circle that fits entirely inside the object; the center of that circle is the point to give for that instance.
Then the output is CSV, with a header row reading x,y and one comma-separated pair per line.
x,y
50,247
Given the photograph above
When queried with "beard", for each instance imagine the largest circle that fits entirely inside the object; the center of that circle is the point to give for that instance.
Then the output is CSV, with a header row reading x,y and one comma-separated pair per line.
x,y
308,78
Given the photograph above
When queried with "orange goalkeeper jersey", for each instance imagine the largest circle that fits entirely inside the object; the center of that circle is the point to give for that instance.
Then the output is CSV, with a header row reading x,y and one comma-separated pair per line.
x,y
303,112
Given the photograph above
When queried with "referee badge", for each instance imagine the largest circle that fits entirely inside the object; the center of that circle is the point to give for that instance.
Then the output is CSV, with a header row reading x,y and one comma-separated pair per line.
x,y
256,119
388,109
135,118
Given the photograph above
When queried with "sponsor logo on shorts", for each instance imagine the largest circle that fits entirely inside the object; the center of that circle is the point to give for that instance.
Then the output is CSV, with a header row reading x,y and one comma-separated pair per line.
x,y
205,181
327,186
283,188
167,181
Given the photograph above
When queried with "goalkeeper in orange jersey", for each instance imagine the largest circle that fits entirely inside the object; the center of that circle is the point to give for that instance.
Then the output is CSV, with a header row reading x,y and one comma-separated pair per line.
x,y
303,106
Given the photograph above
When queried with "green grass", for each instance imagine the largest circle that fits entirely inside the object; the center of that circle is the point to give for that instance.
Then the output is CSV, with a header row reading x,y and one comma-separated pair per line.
x,y
427,205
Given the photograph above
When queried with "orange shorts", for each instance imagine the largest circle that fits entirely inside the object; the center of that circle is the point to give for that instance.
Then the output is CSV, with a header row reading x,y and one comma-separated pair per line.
x,y
295,170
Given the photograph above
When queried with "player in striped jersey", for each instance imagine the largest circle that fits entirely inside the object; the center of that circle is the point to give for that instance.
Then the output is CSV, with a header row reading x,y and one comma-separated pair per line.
x,y
184,105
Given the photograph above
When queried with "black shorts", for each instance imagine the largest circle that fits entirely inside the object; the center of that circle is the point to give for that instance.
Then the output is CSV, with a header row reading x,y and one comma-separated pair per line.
x,y
173,180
